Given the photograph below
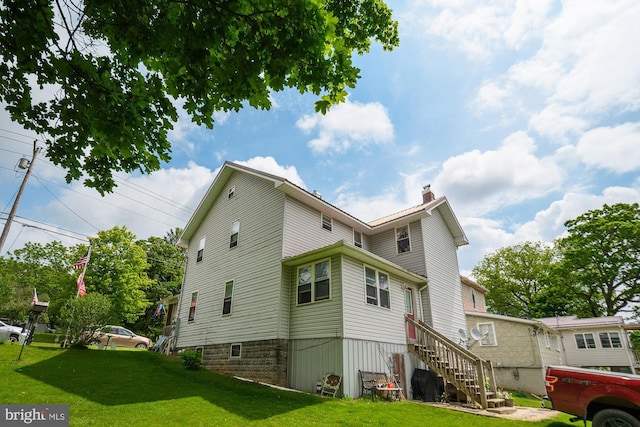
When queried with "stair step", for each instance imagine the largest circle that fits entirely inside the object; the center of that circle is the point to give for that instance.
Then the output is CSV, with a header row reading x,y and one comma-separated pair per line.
x,y
495,403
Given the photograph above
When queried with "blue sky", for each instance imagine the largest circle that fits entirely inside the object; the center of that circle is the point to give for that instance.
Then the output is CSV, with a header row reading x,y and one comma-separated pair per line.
x,y
523,114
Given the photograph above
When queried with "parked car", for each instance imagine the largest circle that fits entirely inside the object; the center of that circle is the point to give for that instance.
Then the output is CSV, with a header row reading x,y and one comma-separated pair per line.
x,y
11,333
120,336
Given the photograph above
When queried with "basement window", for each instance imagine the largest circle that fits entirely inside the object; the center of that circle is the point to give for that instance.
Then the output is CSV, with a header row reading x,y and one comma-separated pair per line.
x,y
236,351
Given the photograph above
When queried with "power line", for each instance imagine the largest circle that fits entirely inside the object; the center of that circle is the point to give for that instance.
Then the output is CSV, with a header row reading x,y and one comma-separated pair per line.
x,y
46,224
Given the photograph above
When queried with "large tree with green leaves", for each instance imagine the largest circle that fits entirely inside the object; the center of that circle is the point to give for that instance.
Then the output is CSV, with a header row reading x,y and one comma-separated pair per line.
x,y
523,282
118,269
115,68
601,255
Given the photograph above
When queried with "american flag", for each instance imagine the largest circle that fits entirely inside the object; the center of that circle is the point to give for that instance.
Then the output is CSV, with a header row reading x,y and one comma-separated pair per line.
x,y
81,289
34,300
84,259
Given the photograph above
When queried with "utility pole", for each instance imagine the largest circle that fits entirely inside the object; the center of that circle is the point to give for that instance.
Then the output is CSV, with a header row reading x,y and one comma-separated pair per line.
x,y
21,165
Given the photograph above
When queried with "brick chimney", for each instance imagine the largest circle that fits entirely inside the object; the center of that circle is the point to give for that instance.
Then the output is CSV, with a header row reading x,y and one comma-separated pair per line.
x,y
427,194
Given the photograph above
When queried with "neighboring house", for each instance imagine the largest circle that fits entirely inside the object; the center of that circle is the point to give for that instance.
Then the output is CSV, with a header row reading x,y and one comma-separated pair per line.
x,y
283,287
519,349
473,295
596,342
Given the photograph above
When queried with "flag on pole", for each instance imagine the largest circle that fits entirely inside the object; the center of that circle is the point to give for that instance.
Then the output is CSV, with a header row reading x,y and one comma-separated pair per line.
x,y
34,300
84,260
81,289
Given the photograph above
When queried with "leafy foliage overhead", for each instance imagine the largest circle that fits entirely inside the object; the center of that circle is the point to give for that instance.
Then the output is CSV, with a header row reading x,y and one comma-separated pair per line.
x,y
116,66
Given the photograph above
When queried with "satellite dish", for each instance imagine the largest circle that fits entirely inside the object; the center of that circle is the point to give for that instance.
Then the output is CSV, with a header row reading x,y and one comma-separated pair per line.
x,y
463,334
476,335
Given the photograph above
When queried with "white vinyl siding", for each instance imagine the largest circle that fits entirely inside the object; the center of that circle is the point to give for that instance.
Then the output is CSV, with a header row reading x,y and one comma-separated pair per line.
x,y
595,356
258,304
384,244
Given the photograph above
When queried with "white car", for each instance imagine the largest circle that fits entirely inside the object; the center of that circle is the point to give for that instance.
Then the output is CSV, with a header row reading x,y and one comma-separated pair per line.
x,y
11,333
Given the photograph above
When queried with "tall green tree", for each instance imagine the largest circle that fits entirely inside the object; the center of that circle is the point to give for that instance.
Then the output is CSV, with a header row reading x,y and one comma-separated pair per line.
x,y
601,254
118,269
522,281
115,68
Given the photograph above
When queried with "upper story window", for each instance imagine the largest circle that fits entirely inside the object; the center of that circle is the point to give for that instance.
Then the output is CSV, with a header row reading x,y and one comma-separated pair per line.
x,y
228,295
192,306
488,332
314,282
553,342
402,239
357,238
235,230
231,193
473,298
377,287
200,249
327,222
585,340
610,340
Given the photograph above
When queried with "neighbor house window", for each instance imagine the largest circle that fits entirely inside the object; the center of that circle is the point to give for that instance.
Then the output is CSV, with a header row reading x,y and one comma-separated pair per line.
x,y
235,229
553,338
585,341
231,192
473,298
236,351
357,238
200,249
377,287
313,282
192,306
228,294
610,340
402,239
488,333
327,222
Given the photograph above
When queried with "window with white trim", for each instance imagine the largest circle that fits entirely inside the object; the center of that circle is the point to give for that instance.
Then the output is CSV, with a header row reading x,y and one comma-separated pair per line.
x,y
231,192
610,340
547,341
585,341
228,295
488,333
236,351
402,239
314,282
327,222
357,238
193,306
235,230
377,287
201,249
555,344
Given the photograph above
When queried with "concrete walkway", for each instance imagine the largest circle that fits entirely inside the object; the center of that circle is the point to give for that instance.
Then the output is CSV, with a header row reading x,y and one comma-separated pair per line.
x,y
523,413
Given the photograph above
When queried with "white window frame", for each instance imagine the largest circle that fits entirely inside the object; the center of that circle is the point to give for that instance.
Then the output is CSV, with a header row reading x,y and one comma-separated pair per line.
x,y
547,340
313,281
408,239
193,304
488,329
239,347
357,239
326,225
555,342
231,192
200,253
609,340
584,340
378,286
235,232
228,297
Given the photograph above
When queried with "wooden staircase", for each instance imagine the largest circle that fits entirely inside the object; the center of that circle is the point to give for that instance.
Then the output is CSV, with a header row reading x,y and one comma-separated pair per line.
x,y
455,364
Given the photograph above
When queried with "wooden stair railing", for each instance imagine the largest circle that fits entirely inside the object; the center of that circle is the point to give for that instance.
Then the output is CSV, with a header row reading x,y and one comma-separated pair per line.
x,y
456,364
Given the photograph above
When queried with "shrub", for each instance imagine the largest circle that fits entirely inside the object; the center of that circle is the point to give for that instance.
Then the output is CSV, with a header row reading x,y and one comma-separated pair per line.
x,y
191,359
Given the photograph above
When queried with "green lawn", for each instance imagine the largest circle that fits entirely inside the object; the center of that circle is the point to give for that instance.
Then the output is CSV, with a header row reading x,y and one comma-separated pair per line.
x,y
142,388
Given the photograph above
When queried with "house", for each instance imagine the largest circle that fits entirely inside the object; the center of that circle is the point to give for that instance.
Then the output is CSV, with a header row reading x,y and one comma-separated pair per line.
x,y
519,349
283,287
595,342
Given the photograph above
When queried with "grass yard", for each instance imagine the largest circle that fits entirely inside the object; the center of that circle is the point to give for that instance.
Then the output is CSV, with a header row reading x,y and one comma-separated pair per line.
x,y
142,388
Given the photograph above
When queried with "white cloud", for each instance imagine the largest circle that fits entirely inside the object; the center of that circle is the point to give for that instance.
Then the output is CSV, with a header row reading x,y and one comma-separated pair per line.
x,y
348,125
481,182
270,165
615,148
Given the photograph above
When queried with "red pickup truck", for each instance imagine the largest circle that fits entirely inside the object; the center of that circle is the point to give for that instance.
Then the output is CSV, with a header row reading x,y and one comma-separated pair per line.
x,y
605,398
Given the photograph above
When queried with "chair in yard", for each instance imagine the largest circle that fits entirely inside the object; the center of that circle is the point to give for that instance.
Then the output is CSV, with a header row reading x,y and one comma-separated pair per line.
x,y
330,385
370,381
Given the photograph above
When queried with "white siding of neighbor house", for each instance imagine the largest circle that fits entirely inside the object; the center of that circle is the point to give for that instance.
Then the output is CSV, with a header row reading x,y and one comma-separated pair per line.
x,y
445,290
596,357
254,266
368,322
384,245
319,319
303,229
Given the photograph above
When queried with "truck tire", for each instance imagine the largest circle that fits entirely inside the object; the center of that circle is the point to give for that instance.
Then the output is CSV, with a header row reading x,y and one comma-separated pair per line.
x,y
614,418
